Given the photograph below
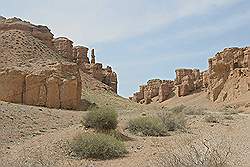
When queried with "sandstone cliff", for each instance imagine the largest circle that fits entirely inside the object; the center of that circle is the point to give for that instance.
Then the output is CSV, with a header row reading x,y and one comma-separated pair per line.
x,y
226,79
154,88
79,55
38,69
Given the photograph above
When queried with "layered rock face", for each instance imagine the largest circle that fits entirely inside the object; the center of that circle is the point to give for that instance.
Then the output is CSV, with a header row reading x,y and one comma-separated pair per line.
x,y
228,68
36,69
79,55
40,32
56,87
227,78
187,80
96,70
161,89
64,47
32,72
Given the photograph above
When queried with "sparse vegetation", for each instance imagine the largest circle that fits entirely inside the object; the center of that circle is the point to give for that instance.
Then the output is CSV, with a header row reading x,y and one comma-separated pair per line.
x,y
98,146
228,117
173,120
178,109
194,111
211,119
229,110
148,126
188,110
197,154
118,135
101,119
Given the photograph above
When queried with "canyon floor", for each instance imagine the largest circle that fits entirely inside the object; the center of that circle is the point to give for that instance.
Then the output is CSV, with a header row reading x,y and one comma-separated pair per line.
x,y
37,136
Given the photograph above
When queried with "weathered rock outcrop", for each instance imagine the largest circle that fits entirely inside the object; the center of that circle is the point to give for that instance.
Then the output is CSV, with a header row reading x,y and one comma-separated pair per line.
x,y
64,47
224,67
227,78
187,80
38,31
154,88
56,87
79,55
36,69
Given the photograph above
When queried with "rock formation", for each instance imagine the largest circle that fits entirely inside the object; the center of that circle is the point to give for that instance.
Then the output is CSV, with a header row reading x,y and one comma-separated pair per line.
x,y
79,55
58,86
92,56
227,78
40,32
187,80
225,67
161,89
64,47
37,69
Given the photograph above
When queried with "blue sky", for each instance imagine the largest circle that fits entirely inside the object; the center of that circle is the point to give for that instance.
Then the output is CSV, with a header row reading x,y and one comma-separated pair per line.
x,y
142,39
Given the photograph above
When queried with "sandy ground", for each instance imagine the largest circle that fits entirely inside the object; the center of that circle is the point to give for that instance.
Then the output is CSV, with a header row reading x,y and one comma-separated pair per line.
x,y
35,136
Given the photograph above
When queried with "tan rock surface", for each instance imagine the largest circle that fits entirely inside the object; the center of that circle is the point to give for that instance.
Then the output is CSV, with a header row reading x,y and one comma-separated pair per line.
x,y
226,79
28,62
154,88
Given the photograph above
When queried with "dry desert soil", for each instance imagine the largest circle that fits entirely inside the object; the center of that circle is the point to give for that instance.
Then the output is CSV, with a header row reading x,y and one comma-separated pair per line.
x,y
37,136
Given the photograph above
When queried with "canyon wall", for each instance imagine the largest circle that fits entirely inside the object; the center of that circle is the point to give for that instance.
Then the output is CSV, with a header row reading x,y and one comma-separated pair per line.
x,y
79,55
227,78
37,69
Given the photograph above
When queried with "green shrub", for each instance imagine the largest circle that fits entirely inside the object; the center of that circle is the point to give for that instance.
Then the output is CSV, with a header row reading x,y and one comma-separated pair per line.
x,y
173,120
178,109
194,111
98,146
101,119
211,119
148,126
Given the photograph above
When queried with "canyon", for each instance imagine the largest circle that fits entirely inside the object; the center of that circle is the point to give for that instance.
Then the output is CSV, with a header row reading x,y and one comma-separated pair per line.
x,y
226,79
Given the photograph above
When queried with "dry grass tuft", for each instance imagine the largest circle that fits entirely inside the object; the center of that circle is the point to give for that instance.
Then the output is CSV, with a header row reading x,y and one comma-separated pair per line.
x,y
197,154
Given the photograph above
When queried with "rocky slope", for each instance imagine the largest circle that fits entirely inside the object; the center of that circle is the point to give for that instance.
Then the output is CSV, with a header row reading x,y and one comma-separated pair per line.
x,y
226,79
38,69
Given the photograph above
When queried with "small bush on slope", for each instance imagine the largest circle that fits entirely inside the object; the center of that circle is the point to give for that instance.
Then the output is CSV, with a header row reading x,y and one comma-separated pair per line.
x,y
173,120
101,119
178,109
211,119
148,126
97,146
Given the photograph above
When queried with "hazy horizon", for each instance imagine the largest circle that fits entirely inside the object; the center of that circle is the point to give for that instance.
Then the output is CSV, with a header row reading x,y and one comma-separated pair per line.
x,y
142,39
